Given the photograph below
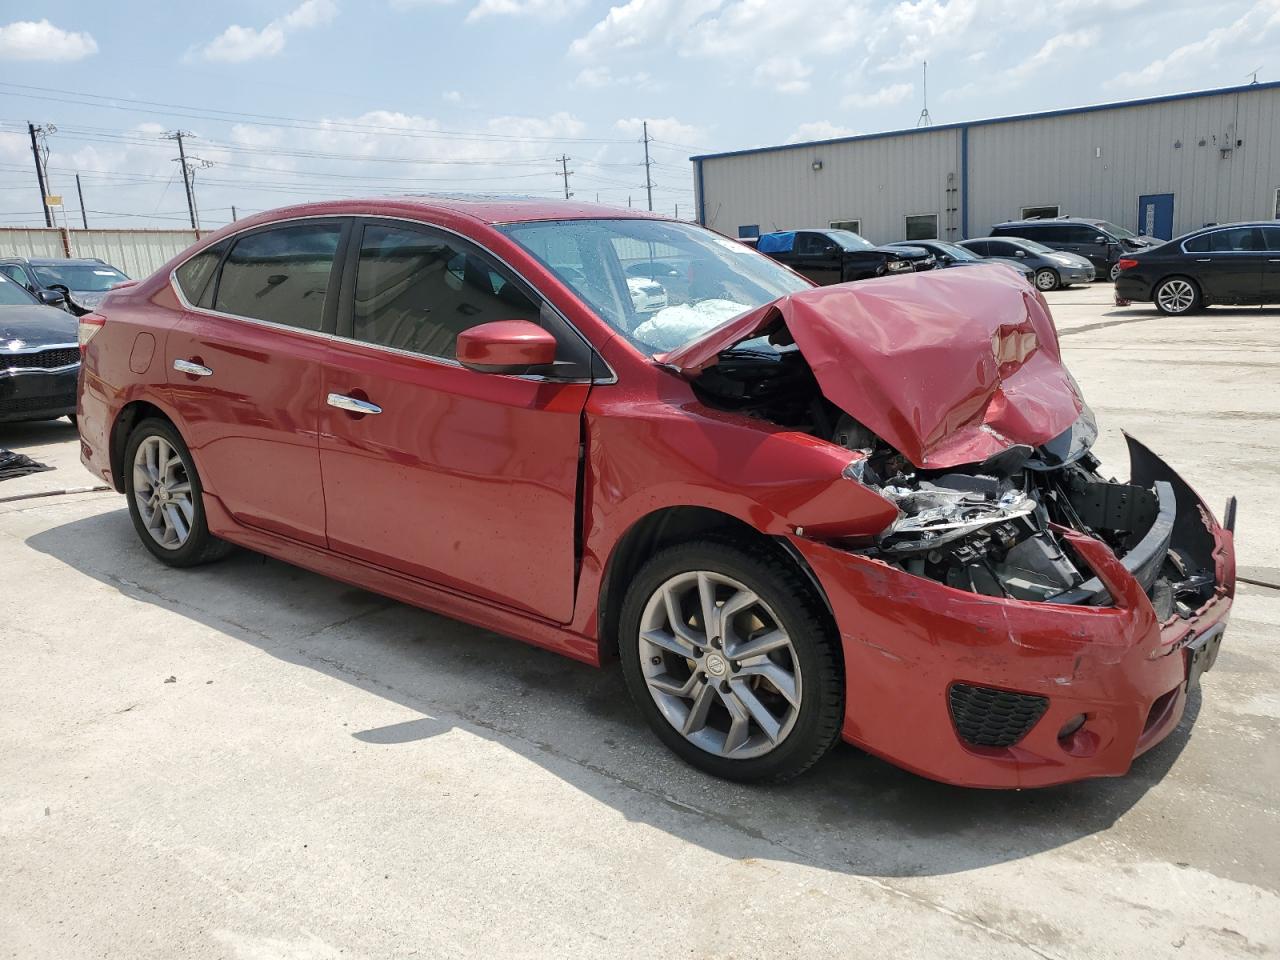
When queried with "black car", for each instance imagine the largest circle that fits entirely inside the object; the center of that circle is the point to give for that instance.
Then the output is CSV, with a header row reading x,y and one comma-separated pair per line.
x,y
1100,242
839,256
1237,263
1051,268
948,255
80,283
39,357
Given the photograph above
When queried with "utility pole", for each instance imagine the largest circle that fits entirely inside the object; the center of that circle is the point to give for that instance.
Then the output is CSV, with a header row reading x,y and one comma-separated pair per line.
x,y
44,189
648,180
564,172
233,213
186,174
84,219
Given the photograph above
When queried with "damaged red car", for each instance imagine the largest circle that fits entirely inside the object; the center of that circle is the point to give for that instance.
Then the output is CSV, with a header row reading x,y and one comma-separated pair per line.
x,y
793,514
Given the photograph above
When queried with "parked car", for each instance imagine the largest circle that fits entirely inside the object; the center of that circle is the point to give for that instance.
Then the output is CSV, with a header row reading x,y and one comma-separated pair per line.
x,y
81,284
1098,241
647,296
39,357
1235,263
839,256
1051,268
953,255
793,513
674,277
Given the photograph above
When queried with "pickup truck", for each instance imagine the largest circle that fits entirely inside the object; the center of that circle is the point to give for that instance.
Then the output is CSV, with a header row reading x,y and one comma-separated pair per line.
x,y
839,256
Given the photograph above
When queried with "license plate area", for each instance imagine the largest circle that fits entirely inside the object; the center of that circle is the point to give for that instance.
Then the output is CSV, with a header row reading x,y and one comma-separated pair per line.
x,y
1202,654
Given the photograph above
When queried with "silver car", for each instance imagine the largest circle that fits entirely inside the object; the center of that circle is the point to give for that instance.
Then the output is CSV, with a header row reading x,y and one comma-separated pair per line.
x,y
1051,269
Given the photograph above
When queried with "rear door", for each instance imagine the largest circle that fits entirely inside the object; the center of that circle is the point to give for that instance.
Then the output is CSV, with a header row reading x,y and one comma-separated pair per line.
x,y
244,366
1271,266
466,479
1228,264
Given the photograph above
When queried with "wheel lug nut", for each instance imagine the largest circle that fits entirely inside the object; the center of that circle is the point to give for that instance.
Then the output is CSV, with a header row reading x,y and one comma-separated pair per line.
x,y
655,660
735,667
715,642
724,686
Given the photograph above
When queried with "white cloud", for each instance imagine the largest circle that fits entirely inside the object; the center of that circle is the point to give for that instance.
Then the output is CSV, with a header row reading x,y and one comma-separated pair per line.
x,y
41,40
665,128
884,97
596,78
642,23
237,44
544,9
1075,40
784,74
451,96
1255,27
819,130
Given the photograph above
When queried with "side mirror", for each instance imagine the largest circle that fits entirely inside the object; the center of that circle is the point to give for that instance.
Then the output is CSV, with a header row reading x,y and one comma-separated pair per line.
x,y
505,346
1103,241
1019,253
51,298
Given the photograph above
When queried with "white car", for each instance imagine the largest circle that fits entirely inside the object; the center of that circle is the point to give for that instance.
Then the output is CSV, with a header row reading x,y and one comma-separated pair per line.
x,y
647,296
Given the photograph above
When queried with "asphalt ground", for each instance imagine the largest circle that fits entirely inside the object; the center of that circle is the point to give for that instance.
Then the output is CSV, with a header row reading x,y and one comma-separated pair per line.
x,y
250,761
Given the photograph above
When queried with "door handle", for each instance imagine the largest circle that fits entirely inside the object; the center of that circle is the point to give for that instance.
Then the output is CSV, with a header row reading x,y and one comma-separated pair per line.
x,y
352,404
195,369
1205,260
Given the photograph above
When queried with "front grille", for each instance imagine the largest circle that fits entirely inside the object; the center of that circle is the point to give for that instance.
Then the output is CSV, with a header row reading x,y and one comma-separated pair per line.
x,y
26,404
40,360
986,717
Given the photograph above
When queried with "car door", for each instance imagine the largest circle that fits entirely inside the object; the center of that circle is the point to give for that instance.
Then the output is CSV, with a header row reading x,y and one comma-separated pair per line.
x,y
1228,264
1091,243
245,363
818,257
465,479
1271,266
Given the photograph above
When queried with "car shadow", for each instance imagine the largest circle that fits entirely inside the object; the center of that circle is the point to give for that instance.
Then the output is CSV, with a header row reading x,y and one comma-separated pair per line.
x,y
853,813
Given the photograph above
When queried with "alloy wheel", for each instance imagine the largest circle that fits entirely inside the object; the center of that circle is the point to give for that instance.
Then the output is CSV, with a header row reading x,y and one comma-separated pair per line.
x,y
1176,296
1115,272
1046,279
162,491
719,665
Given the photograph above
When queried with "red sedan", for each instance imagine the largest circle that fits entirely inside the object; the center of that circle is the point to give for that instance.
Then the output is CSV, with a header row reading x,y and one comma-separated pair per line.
x,y
794,514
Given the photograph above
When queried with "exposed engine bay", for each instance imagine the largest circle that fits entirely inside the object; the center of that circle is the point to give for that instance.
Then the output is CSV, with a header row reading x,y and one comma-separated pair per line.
x,y
989,528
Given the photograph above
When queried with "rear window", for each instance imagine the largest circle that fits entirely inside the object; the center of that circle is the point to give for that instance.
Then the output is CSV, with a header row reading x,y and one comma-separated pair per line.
x,y
195,277
280,275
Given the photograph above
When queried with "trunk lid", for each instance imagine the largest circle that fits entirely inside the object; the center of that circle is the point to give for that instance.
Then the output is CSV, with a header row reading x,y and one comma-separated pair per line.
x,y
949,367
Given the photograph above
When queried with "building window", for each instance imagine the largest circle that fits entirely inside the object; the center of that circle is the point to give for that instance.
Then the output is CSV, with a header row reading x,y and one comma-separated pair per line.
x,y
923,226
1039,213
854,226
749,231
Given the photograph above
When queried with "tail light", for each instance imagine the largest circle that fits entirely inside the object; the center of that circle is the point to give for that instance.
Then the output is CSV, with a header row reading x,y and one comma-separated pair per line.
x,y
88,328
1127,263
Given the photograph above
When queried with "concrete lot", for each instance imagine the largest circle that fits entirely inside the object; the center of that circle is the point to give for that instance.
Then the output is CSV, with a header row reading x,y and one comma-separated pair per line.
x,y
249,761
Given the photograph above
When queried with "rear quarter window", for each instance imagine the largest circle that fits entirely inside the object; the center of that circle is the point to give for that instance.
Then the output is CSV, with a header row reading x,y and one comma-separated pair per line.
x,y
195,277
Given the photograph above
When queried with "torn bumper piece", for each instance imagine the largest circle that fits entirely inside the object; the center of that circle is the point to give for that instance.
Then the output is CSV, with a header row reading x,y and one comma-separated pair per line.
x,y
1064,691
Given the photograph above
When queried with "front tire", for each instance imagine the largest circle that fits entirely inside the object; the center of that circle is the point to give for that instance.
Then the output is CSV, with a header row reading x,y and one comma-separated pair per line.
x,y
166,500
1177,296
1047,280
1114,273
732,660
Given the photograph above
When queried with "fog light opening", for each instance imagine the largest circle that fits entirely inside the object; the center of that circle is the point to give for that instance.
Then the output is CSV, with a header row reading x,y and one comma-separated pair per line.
x,y
1071,726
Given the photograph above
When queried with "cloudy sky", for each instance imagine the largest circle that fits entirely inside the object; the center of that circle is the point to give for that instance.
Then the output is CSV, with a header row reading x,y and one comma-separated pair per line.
x,y
293,99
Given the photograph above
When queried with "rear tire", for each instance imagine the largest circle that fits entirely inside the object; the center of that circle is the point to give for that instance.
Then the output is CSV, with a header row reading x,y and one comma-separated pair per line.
x,y
759,696
1177,296
1047,279
166,500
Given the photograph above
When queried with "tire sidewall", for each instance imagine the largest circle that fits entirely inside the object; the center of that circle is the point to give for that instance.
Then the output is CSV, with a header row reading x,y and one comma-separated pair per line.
x,y
195,549
798,612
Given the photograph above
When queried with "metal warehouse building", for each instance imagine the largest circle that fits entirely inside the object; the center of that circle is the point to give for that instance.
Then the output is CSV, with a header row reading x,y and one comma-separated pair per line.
x,y
1161,166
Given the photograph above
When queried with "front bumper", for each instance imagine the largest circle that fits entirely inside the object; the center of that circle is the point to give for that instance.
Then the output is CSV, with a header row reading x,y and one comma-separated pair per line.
x,y
1077,274
37,394
908,640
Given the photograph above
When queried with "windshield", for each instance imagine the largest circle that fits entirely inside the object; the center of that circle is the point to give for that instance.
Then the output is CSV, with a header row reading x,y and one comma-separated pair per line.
x,y
706,279
1033,246
14,295
954,251
850,240
1120,233
89,277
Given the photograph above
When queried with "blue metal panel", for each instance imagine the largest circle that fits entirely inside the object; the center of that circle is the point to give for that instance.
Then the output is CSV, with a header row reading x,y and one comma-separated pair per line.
x,y
1155,215
1069,111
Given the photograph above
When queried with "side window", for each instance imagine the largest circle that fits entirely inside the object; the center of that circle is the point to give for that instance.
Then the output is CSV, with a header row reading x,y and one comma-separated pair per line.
x,y
1235,240
979,247
1272,237
1000,248
1050,234
280,275
416,290
1198,244
195,277
15,273
811,244
1082,234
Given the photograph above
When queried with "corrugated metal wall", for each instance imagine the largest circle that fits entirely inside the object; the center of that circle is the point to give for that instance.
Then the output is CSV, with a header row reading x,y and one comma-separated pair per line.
x,y
1092,163
137,252
1098,164
878,182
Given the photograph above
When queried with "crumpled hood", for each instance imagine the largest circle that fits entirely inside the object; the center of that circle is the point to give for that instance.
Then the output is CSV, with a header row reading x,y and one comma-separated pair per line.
x,y
948,367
